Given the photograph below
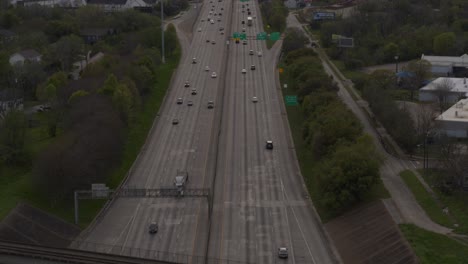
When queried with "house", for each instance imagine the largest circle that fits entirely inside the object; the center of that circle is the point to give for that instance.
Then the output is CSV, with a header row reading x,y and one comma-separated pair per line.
x,y
52,3
93,35
457,88
454,121
6,36
447,65
23,56
10,99
118,5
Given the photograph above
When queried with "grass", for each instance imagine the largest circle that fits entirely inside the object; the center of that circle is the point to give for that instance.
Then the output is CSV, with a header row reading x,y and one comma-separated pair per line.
x,y
16,183
425,199
457,202
432,248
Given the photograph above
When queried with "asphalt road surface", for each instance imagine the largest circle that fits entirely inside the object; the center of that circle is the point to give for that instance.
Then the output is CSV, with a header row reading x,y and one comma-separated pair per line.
x,y
260,202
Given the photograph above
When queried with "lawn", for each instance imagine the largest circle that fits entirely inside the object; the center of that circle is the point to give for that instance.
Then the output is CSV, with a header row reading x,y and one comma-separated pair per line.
x,y
457,202
432,248
424,199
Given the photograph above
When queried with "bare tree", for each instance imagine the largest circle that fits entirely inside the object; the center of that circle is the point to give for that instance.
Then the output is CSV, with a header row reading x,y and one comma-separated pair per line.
x,y
442,90
420,70
425,118
454,159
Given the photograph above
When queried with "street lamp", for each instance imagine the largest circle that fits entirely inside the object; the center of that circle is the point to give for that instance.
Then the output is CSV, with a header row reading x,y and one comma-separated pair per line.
x,y
396,63
162,32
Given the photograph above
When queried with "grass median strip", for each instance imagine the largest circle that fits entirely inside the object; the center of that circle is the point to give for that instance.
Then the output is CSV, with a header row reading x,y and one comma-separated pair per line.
x,y
424,199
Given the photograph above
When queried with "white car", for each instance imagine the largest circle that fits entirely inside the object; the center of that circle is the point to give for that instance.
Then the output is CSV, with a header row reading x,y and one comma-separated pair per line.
x,y
254,99
213,42
187,84
194,60
199,29
213,75
282,252
207,68
212,21
244,71
259,53
243,29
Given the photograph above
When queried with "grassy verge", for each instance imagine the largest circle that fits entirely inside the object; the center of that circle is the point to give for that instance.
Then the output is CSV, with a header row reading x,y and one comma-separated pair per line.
x,y
432,248
425,199
457,201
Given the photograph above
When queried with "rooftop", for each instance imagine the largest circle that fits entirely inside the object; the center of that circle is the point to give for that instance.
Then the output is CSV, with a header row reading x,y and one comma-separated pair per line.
x,y
459,84
461,61
29,53
458,112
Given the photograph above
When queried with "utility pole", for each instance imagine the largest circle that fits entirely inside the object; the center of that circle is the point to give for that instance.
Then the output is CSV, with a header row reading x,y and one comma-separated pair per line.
x,y
162,32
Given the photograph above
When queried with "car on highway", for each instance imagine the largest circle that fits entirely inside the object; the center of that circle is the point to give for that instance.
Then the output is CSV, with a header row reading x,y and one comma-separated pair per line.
x,y
222,8
249,13
194,60
207,68
219,19
269,144
210,105
215,14
254,99
211,11
212,21
175,121
244,71
243,22
259,53
237,41
243,11
208,41
181,179
222,32
243,29
251,52
213,42
252,67
180,100
282,252
153,228
187,84
203,20
221,28
189,103
244,42
194,91
213,75
199,29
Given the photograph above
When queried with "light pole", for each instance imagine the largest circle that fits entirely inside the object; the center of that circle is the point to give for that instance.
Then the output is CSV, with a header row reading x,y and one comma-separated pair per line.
x,y
162,32
396,63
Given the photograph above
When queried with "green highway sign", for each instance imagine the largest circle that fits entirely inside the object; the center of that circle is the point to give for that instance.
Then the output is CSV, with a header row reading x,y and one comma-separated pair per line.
x,y
243,36
235,35
274,36
291,100
262,36
244,0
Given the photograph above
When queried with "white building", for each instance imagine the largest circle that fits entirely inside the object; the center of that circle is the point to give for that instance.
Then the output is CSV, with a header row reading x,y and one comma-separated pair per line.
x,y
118,5
23,56
454,121
445,65
431,92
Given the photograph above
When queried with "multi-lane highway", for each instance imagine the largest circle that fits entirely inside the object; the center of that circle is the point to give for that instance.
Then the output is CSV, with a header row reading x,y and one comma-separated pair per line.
x,y
260,202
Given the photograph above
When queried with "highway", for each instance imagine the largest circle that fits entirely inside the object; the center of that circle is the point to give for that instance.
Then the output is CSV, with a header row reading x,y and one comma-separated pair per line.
x,y
260,202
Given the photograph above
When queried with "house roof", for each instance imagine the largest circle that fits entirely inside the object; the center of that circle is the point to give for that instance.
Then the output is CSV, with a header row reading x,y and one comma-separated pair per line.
x,y
457,113
106,2
458,85
461,61
29,54
6,33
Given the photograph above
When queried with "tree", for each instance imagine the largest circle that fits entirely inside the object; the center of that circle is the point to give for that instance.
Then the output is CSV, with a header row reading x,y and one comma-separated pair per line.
x,y
442,90
351,173
12,138
420,71
170,39
66,51
110,85
9,19
444,43
294,40
425,119
385,79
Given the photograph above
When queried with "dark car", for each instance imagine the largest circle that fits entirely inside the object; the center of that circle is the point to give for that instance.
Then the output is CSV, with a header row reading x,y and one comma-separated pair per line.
x,y
175,121
269,144
153,228
210,104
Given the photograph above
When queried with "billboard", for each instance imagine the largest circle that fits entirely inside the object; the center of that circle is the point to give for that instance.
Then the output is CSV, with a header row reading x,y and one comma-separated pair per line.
x,y
318,16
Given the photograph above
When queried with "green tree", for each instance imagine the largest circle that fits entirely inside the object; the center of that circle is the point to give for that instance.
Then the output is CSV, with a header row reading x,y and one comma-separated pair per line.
x,y
170,39
420,71
66,51
444,43
12,138
390,51
352,171
76,95
294,40
110,85
9,19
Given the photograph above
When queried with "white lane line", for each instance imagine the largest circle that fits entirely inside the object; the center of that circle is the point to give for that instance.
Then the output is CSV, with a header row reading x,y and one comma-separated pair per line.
x,y
130,228
130,221
298,224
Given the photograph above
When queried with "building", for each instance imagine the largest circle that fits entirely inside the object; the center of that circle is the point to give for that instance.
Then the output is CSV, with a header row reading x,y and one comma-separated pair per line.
x,y
432,91
23,56
6,36
447,65
51,3
454,121
10,99
118,5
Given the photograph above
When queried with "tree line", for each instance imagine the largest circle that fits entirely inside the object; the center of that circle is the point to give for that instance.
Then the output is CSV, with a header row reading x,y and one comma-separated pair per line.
x,y
88,118
346,165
